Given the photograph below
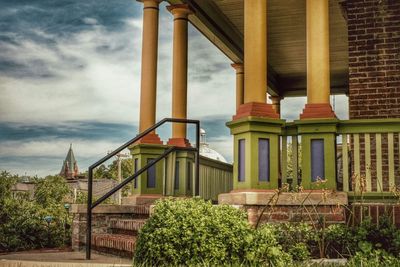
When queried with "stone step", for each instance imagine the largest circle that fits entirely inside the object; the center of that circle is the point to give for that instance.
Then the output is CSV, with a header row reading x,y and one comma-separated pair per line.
x,y
133,225
117,244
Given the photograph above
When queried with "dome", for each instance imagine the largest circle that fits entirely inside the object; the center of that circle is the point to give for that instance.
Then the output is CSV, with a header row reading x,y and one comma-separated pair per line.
x,y
206,151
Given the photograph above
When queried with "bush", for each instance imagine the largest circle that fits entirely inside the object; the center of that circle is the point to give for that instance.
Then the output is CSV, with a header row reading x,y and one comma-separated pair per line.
x,y
263,249
368,257
340,241
296,238
22,220
383,236
194,232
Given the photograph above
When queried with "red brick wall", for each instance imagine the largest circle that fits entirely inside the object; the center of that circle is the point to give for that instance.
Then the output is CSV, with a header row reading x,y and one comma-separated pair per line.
x,y
374,58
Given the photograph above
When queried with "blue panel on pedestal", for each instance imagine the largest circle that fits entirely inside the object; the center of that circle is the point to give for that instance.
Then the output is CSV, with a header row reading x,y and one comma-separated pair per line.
x,y
263,160
151,175
176,181
241,160
317,159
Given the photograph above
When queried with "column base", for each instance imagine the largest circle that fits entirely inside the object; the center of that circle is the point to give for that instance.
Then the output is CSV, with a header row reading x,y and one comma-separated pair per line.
x,y
317,111
256,109
181,142
151,138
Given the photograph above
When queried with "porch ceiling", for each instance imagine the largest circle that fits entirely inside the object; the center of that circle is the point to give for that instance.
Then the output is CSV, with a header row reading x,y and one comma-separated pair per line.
x,y
221,21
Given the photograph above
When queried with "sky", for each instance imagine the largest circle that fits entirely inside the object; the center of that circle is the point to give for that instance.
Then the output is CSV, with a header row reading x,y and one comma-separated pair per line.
x,y
70,74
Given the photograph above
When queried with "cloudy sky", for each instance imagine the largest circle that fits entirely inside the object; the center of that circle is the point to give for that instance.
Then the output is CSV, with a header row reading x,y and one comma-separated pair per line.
x,y
70,73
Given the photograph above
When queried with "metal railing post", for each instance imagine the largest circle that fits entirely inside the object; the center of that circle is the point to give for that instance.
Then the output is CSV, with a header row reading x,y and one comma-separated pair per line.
x,y
89,215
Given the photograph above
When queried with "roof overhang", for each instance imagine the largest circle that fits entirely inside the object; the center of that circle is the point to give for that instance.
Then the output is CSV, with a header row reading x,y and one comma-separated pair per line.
x,y
221,22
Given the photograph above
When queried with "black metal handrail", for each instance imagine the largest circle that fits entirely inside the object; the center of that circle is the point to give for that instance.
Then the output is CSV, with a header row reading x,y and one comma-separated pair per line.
x,y
91,206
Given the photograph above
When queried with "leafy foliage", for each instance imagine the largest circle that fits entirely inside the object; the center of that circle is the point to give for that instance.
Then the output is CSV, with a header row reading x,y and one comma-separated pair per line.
x,y
296,238
22,220
262,249
340,241
368,257
194,232
111,171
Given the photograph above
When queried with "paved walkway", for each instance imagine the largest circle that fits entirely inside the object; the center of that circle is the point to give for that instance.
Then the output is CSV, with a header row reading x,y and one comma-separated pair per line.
x,y
60,259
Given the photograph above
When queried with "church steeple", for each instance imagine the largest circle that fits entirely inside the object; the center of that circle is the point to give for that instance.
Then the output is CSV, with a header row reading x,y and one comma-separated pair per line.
x,y
70,169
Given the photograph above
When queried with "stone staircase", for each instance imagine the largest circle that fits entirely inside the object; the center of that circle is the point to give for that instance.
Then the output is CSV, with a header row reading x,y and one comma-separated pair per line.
x,y
116,234
120,238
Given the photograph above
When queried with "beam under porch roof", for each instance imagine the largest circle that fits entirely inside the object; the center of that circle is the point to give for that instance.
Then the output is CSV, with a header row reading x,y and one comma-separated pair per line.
x,y
216,27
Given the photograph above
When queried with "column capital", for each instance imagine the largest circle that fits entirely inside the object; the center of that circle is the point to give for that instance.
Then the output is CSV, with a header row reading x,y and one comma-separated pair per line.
x,y
180,11
150,3
239,67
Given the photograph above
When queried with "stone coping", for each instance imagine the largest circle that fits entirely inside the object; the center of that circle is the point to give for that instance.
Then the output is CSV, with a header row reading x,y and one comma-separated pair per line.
x,y
106,208
60,259
18,263
308,198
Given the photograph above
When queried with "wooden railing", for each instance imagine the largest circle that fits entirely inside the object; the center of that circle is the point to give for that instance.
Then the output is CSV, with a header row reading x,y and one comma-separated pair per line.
x,y
216,177
370,155
367,155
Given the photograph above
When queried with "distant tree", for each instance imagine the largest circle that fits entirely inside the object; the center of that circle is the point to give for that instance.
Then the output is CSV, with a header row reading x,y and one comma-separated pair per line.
x,y
111,171
23,222
7,180
51,190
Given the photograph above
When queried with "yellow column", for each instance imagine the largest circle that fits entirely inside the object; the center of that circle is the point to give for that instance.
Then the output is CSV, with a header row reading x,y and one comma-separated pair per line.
x,y
276,104
148,90
179,72
318,80
239,83
255,51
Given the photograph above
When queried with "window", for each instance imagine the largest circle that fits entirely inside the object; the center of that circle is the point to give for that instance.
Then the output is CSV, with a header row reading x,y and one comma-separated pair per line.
x,y
263,160
317,159
151,175
241,160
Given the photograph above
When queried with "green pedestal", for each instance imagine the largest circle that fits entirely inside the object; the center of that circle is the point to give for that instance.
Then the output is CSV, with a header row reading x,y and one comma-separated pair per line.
x,y
142,154
184,174
324,132
250,134
164,172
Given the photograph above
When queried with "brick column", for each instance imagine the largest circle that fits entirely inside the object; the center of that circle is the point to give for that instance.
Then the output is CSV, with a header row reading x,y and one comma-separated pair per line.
x,y
374,59
374,73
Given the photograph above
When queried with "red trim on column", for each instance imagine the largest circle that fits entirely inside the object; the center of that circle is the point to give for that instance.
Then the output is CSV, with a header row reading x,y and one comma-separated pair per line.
x,y
317,111
150,138
257,110
181,142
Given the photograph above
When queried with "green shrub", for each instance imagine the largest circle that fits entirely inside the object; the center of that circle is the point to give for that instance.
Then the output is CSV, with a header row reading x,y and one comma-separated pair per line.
x,y
194,232
296,238
368,257
383,236
262,249
23,224
340,241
